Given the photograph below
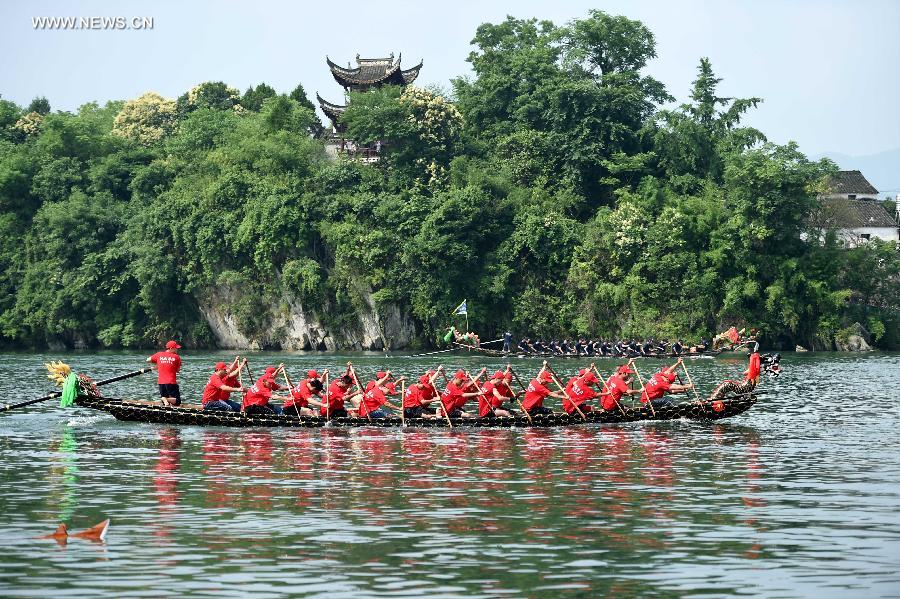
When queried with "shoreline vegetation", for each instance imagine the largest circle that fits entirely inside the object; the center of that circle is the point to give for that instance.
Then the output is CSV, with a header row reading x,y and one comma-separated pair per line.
x,y
552,188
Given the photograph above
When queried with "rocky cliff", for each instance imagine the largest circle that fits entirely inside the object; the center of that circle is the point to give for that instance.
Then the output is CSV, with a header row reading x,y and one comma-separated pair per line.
x,y
292,327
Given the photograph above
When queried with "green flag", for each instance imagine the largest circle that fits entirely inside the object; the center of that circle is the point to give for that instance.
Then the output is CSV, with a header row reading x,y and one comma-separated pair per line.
x,y
70,390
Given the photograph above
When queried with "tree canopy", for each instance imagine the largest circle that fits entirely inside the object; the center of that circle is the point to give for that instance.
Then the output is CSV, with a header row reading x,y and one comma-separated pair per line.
x,y
556,188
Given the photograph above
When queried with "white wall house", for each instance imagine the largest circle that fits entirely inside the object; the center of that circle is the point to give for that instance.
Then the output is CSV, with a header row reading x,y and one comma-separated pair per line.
x,y
852,209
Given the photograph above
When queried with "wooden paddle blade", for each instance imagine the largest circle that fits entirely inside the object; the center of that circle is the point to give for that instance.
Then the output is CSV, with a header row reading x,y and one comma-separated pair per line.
x,y
96,532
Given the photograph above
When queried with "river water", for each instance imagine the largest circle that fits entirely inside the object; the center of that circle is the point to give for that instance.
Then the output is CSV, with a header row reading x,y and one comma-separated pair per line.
x,y
798,497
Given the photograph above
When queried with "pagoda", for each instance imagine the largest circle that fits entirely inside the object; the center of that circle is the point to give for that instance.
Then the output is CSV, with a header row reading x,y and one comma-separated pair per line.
x,y
369,73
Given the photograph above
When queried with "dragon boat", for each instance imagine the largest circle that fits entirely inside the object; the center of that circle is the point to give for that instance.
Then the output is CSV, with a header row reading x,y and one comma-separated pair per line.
x,y
137,411
519,354
730,398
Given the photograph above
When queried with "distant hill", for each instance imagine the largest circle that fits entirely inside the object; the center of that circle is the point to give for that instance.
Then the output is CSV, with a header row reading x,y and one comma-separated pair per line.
x,y
882,169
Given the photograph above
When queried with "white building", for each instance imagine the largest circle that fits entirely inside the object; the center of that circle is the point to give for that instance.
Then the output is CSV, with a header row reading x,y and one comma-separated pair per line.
x,y
851,207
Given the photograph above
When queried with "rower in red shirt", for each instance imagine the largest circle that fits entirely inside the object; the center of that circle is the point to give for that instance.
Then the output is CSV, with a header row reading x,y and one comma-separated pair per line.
x,y
219,388
490,402
337,394
536,392
419,396
302,396
579,392
455,396
256,398
374,398
167,364
617,386
661,383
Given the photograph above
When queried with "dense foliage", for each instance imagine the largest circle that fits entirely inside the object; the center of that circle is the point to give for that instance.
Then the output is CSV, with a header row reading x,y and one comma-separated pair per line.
x,y
551,188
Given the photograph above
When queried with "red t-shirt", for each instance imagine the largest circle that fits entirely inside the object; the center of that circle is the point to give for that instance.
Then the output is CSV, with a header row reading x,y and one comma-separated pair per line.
x,y
617,388
372,399
452,397
534,395
412,398
487,400
754,368
429,392
300,395
257,395
504,390
577,392
213,390
655,388
168,365
336,396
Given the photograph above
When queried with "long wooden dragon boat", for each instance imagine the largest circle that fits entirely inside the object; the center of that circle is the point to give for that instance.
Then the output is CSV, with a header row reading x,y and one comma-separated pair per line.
x,y
134,411
518,354
730,398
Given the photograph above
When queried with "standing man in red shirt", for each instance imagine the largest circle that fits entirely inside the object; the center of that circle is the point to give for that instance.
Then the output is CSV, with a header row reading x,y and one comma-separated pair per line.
x,y
167,364
660,384
218,389
536,392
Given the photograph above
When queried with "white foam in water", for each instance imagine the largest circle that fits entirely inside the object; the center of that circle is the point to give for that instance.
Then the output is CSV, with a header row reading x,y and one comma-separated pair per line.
x,y
81,420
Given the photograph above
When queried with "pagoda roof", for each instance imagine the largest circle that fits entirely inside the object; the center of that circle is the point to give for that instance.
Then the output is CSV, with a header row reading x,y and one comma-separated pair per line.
x,y
332,111
373,71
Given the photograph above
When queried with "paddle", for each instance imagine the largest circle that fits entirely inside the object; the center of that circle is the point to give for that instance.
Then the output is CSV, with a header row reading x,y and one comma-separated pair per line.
x,y
690,382
360,387
327,397
290,388
440,401
402,409
55,394
641,381
524,390
475,382
606,388
563,390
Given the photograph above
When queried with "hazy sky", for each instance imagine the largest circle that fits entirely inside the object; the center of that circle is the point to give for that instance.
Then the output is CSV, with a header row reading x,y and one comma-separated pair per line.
x,y
828,71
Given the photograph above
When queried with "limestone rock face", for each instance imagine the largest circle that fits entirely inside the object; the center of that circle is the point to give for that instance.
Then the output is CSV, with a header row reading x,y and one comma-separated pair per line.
x,y
854,339
295,328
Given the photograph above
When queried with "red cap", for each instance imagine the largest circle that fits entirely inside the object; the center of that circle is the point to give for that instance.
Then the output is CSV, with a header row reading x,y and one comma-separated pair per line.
x,y
545,377
221,366
670,376
172,345
590,379
581,372
390,387
270,372
624,369
497,375
312,374
424,379
381,374
507,376
460,374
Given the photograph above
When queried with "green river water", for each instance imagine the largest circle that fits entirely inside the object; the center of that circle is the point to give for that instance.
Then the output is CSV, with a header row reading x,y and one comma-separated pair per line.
x,y
798,497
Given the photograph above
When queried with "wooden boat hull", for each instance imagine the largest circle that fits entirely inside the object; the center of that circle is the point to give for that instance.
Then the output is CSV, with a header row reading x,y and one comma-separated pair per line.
x,y
518,354
143,412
